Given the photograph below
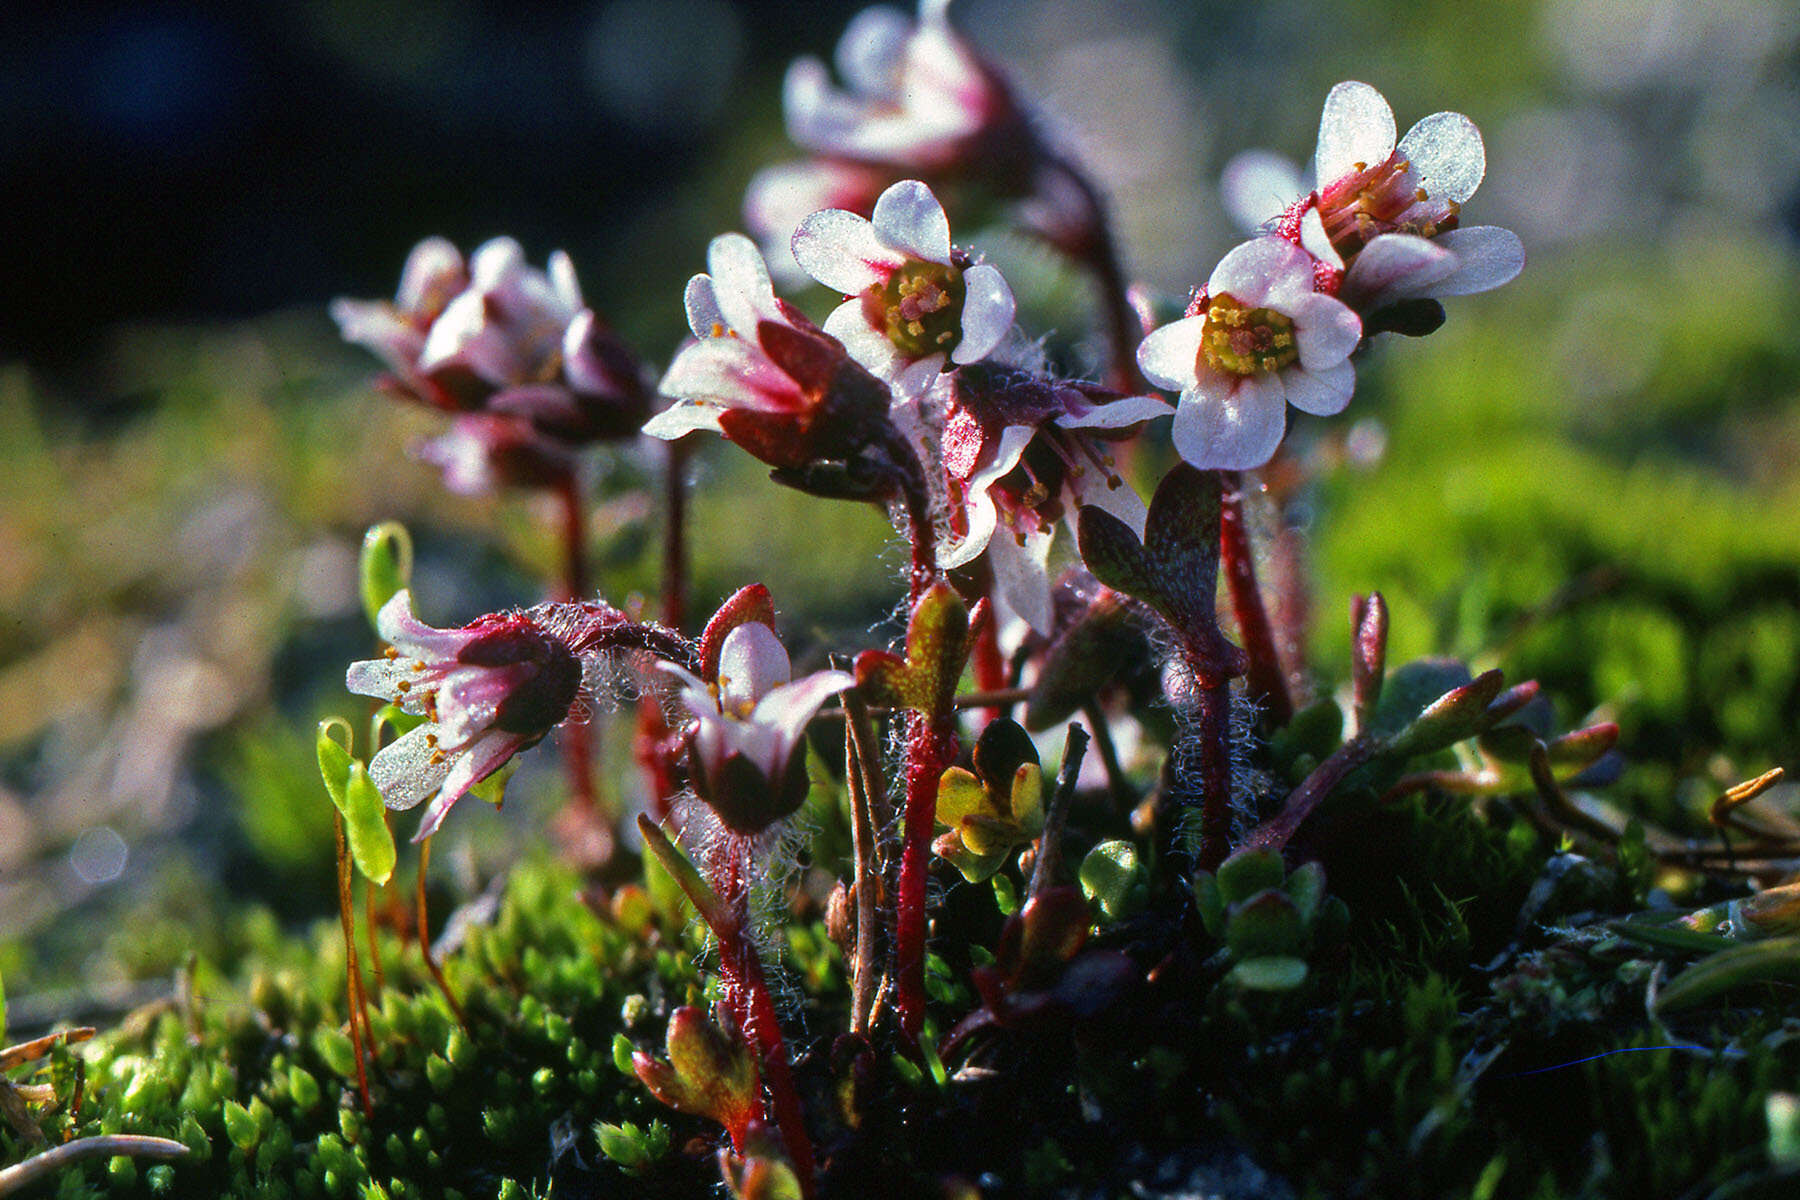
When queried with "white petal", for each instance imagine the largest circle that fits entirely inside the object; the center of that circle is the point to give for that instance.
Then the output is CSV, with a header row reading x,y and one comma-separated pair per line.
x,y
752,663
849,324
740,282
841,251
433,273
1393,263
683,418
1168,356
412,637
786,710
1120,414
1325,330
987,314
733,373
1486,257
908,217
1257,187
1446,154
1231,423
1323,392
1022,576
379,677
1256,268
469,697
694,692
403,770
1357,126
1094,489
494,262
1315,241
471,767
871,48
982,518
563,281
914,379
701,300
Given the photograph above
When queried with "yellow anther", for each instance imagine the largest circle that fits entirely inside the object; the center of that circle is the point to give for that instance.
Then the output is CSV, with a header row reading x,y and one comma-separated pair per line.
x,y
391,652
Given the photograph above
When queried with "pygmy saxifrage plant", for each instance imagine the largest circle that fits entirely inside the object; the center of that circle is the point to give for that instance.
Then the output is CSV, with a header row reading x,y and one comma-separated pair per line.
x,y
1021,488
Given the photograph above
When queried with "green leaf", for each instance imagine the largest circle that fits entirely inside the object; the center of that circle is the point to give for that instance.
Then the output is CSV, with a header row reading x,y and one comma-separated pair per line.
x,y
493,788
1271,973
385,565
334,758
1112,877
1248,872
1774,960
365,824
2,1011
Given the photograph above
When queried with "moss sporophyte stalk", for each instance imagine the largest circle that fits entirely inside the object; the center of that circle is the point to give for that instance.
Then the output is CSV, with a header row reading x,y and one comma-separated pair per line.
x,y
1080,860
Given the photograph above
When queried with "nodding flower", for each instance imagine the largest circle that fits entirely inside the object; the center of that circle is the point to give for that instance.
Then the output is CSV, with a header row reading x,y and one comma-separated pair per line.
x,y
487,691
748,721
495,335
762,375
1388,214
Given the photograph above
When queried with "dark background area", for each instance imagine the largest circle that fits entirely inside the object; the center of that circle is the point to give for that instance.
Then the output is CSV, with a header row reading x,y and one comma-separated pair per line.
x,y
186,161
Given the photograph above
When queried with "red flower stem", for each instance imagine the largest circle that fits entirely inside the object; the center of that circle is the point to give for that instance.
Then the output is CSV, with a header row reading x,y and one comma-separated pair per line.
x,y
1095,248
745,998
674,565
575,737
1265,676
924,542
356,1001
1274,833
1212,719
928,751
437,974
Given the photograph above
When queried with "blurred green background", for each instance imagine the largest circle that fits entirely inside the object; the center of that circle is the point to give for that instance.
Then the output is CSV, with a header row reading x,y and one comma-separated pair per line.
x,y
1588,477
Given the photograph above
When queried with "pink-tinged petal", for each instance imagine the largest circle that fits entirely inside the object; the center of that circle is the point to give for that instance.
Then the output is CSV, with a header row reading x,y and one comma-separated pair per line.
x,y
380,677
1257,187
1446,154
701,300
495,262
1316,242
909,218
733,374
786,710
871,48
1022,576
982,518
1253,270
1230,422
469,697
740,283
988,309
376,326
1092,488
434,272
1391,263
683,418
404,770
1007,453
563,281
752,663
841,251
1120,414
1486,257
915,378
849,324
471,767
1168,356
1323,392
1357,127
413,638
1325,330
462,456
694,692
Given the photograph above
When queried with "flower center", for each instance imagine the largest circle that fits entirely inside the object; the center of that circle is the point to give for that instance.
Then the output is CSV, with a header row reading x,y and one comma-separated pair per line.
x,y
538,702
921,308
1383,198
1246,341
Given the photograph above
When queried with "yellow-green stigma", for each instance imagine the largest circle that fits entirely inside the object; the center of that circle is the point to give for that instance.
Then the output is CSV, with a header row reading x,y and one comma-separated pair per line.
x,y
921,308
1246,341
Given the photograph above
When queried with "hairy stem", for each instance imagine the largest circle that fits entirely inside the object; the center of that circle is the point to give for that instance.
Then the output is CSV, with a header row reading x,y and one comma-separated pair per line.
x,y
575,737
356,1001
1265,676
862,773
1212,722
929,748
674,563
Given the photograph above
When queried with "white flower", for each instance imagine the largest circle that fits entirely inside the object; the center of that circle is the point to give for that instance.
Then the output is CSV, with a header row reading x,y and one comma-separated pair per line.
x,y
912,300
918,99
1265,340
487,691
747,727
1389,213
